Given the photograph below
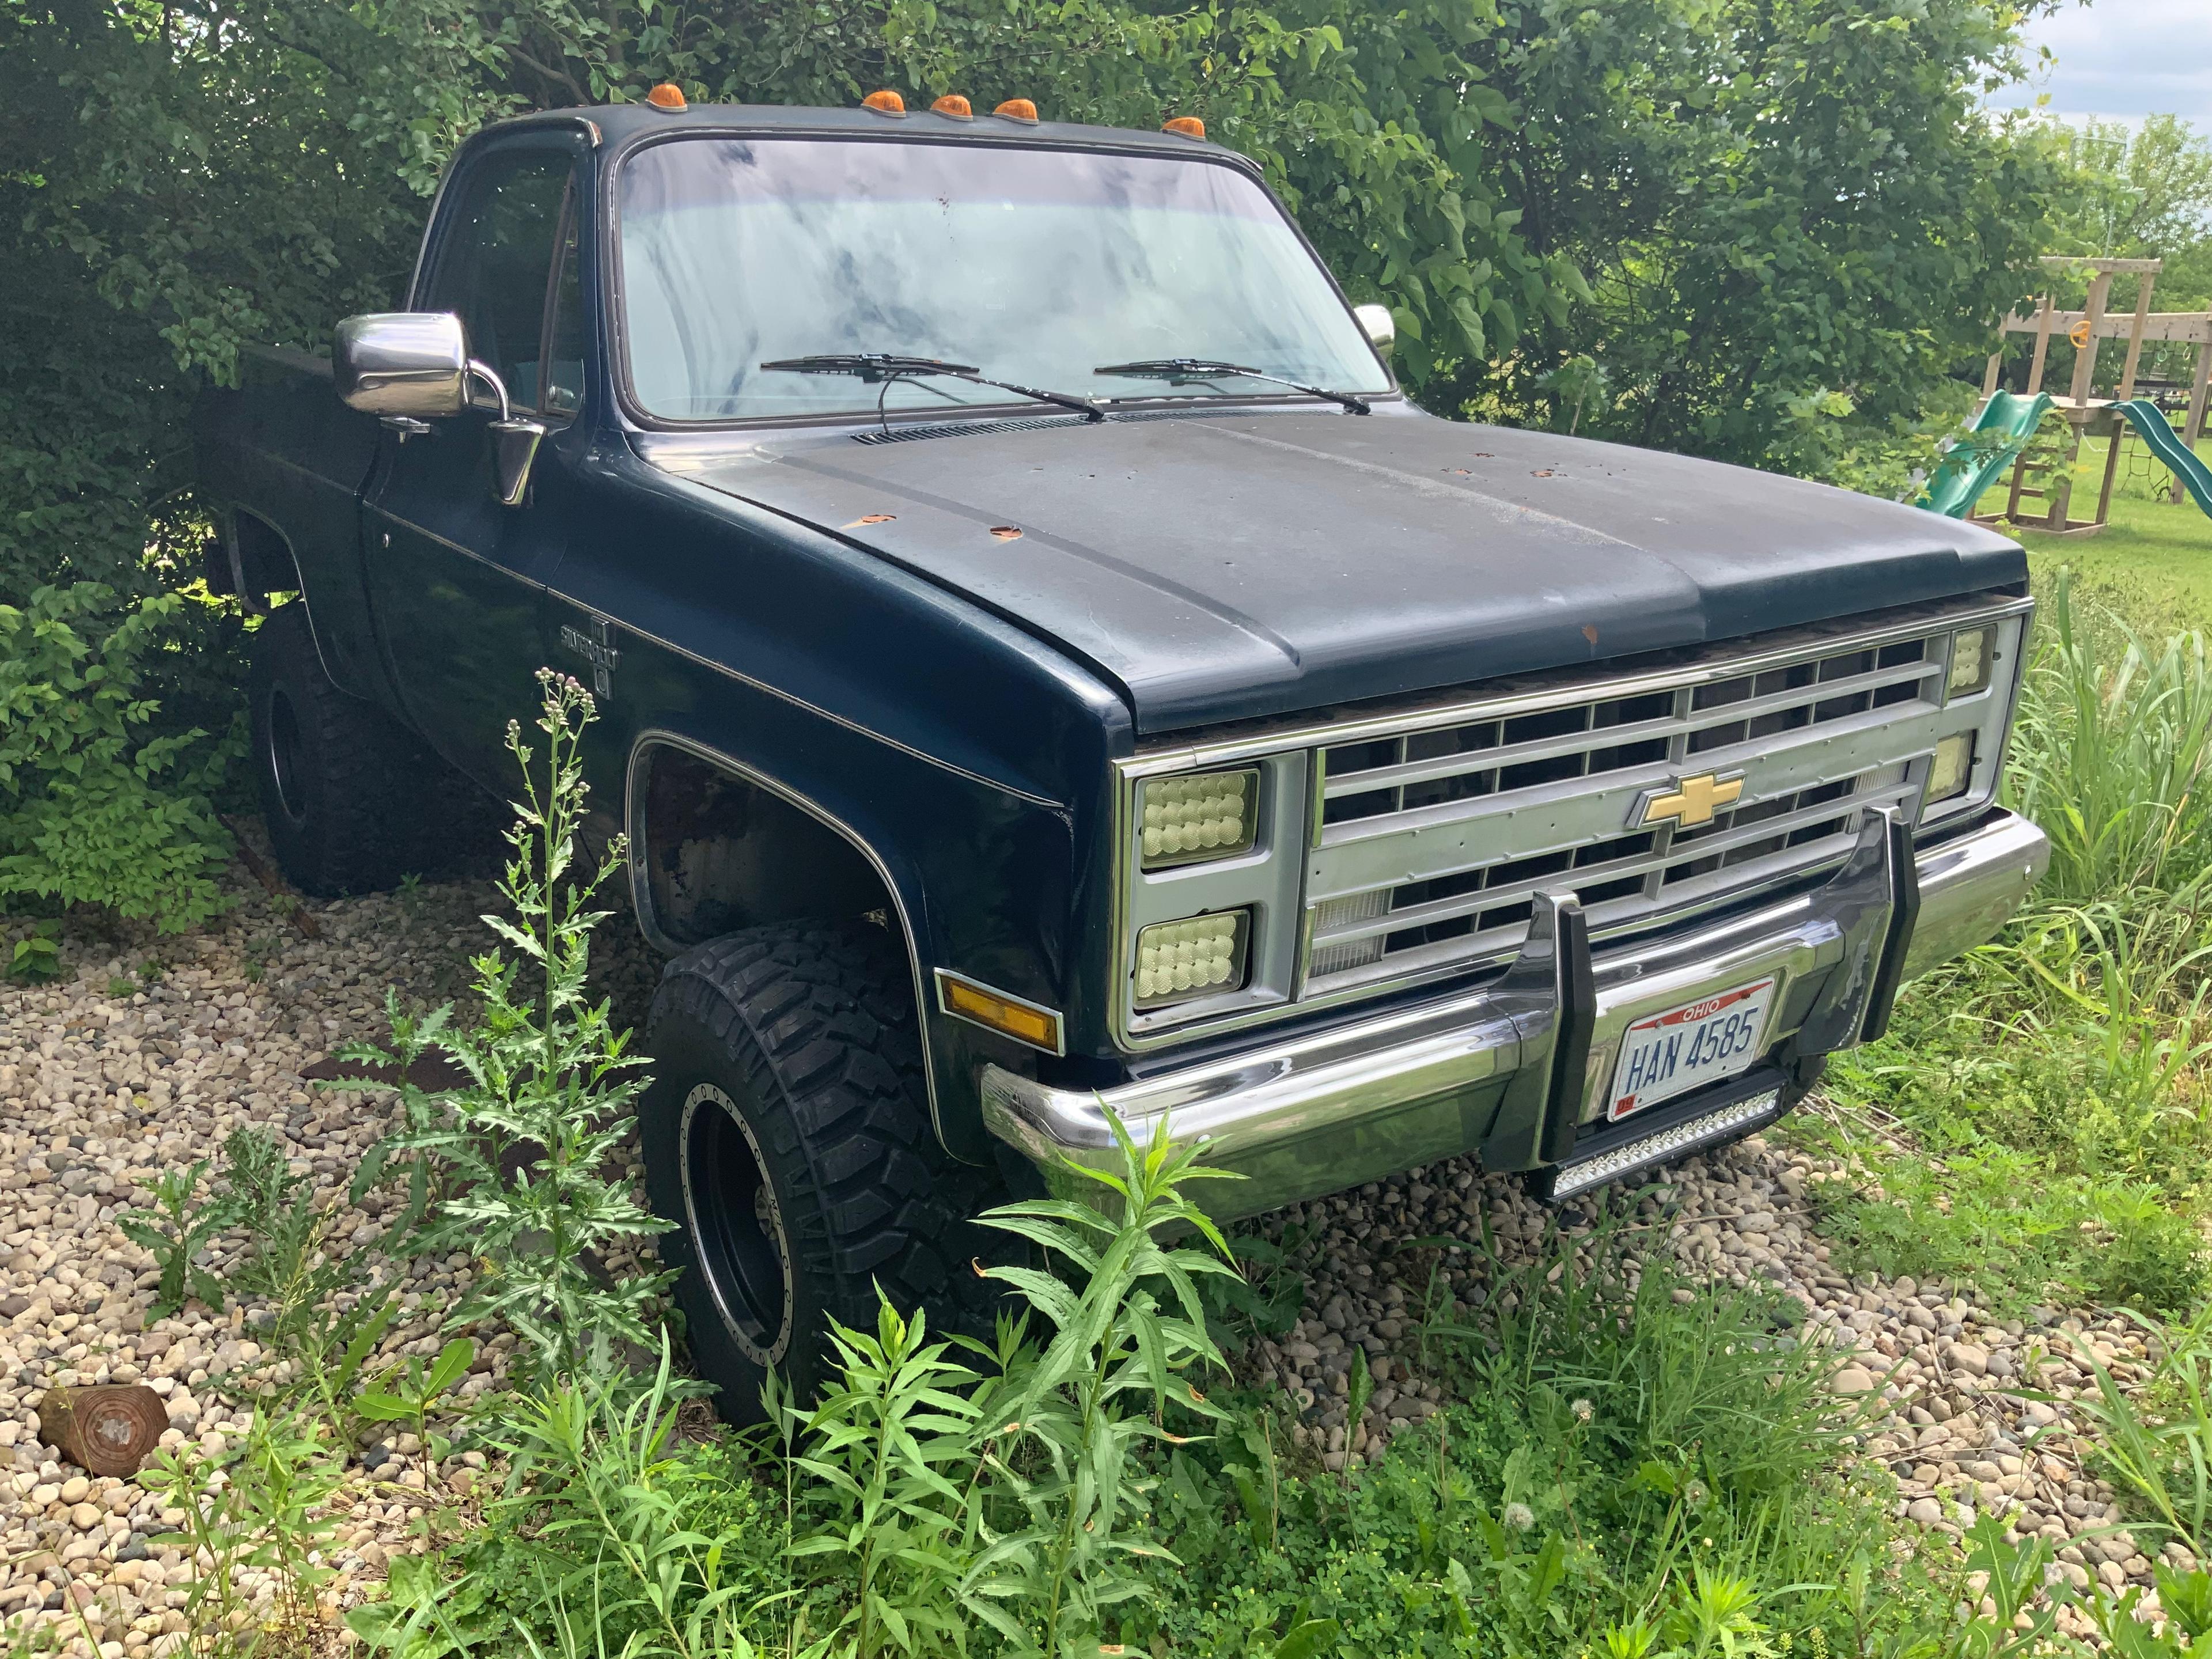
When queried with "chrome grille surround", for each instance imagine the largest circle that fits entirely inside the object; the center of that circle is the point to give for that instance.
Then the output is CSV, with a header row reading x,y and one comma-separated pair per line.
x,y
1421,835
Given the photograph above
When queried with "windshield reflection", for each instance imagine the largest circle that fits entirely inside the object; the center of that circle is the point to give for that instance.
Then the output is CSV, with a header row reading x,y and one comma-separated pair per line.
x,y
1037,264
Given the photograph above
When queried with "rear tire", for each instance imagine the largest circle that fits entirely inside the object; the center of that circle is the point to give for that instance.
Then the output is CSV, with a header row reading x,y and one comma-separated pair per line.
x,y
341,780
787,1135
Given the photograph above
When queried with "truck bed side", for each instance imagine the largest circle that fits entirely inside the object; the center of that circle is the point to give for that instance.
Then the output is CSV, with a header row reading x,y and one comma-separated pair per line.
x,y
286,462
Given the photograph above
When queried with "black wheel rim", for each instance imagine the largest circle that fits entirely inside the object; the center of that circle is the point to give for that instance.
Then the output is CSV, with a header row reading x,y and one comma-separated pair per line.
x,y
284,768
736,1225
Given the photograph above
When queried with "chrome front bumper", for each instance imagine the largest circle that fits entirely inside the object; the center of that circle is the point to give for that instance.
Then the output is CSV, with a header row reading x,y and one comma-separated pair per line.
x,y
1518,1069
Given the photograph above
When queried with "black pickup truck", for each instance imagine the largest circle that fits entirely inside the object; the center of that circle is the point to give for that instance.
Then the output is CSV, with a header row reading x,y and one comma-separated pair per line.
x,y
1047,668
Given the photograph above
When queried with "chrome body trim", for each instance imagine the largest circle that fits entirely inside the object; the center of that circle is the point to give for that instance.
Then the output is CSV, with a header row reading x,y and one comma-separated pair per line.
x,y
641,886
1319,1111
1877,757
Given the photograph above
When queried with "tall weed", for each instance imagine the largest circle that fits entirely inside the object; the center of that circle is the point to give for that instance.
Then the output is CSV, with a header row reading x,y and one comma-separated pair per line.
x,y
2109,754
1128,1329
521,1151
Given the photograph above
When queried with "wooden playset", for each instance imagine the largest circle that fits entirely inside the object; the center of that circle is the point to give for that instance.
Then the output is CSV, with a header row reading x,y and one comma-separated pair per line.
x,y
2043,468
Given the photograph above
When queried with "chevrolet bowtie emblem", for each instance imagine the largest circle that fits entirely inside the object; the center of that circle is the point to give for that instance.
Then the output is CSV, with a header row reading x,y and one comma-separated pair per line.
x,y
1689,803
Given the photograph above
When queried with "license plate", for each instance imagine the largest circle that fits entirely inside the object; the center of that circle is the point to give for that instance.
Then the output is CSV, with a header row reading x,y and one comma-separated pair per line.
x,y
1685,1048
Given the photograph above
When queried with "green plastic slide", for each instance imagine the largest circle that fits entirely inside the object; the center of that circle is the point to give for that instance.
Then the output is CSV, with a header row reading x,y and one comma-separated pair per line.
x,y
2166,443
1967,469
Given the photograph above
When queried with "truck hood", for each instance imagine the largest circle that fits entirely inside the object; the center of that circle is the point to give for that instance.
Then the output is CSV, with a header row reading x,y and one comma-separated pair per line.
x,y
1224,566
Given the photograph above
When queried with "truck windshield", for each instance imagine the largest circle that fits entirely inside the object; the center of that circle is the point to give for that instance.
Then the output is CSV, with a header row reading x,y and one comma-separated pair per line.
x,y
1036,264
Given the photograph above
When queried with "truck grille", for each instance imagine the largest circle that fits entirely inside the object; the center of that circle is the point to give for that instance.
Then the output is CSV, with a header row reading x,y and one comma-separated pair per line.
x,y
1431,842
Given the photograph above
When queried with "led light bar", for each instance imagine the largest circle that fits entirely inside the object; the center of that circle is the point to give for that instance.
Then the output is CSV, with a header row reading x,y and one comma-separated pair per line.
x,y
1666,1145
1211,815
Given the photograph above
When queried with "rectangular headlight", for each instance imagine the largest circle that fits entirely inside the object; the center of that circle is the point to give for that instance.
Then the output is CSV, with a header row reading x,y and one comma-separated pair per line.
x,y
1973,660
1211,815
1205,955
1951,769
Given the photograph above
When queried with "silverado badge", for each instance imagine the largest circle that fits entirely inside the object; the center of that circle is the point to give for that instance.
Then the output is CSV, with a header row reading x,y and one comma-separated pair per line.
x,y
595,643
1689,803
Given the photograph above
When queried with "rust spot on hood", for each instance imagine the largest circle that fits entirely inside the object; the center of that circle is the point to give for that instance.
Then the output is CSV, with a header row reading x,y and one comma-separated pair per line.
x,y
1006,532
869,517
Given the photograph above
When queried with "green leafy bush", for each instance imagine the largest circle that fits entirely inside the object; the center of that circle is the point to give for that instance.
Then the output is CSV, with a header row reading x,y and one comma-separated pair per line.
x,y
96,808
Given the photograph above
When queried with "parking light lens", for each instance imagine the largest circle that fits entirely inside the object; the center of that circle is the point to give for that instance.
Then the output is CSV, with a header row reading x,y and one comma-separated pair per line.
x,y
1177,961
1210,816
1973,659
1952,767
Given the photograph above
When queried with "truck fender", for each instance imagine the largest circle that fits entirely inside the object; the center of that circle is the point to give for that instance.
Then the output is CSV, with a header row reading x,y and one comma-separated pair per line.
x,y
716,845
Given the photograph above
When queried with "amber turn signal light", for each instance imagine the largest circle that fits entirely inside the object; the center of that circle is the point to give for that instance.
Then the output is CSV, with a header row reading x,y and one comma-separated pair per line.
x,y
1024,1022
954,105
1016,109
1189,126
668,96
885,102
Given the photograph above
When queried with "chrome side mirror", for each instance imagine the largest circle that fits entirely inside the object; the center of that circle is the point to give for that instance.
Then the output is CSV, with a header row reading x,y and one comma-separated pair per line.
x,y
1382,329
409,364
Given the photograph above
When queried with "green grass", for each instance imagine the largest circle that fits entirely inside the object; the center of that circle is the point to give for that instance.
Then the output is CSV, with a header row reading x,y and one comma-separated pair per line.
x,y
2039,1121
2153,560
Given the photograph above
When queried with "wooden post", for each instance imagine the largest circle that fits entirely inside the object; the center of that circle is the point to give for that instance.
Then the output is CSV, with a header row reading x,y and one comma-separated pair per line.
x,y
2043,313
2135,336
2194,425
2042,346
2085,358
2085,370
2118,438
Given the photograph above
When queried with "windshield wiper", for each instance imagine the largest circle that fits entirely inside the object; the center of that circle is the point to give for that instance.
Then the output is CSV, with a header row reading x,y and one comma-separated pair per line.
x,y
1180,370
885,366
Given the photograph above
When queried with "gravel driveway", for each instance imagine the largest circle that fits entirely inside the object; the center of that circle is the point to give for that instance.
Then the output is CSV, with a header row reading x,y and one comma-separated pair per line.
x,y
115,1072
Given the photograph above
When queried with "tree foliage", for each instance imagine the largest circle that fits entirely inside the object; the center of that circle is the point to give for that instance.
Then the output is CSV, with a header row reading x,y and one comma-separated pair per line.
x,y
2130,193
1746,214
1795,217
2137,192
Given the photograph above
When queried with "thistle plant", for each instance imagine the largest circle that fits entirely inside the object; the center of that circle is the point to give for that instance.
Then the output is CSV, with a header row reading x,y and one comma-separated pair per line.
x,y
518,1152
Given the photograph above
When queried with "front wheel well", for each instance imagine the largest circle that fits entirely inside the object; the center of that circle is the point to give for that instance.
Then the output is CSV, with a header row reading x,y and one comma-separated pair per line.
x,y
716,851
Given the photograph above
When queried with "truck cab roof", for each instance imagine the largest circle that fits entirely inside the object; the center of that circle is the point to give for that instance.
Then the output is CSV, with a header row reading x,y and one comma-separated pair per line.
x,y
621,125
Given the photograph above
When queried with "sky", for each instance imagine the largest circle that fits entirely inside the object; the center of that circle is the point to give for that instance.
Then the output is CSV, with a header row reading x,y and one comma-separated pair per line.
x,y
2126,58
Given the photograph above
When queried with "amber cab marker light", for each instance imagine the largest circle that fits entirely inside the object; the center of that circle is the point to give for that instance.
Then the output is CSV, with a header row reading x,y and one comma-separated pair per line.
x,y
1189,126
1037,1027
1016,109
885,102
954,105
668,96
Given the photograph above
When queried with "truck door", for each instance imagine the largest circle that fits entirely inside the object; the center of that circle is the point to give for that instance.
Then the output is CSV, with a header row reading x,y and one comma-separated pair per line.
x,y
454,576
